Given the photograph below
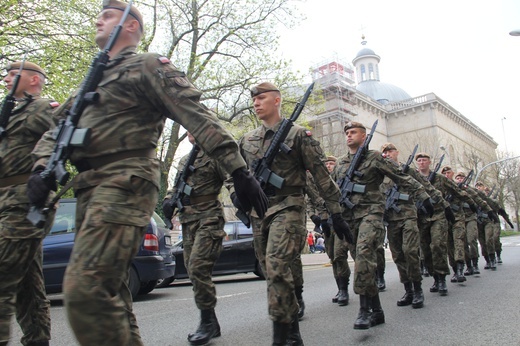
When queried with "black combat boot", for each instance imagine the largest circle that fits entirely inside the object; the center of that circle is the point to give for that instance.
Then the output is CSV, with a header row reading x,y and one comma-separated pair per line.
x,y
435,286
343,291
335,298
418,295
486,266
443,289
492,262
454,278
469,268
363,318
408,295
298,292
476,271
280,333
378,316
208,328
294,338
499,259
380,280
460,272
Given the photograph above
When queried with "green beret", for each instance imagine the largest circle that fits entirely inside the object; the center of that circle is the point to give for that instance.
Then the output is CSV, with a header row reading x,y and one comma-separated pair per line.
x,y
119,5
27,66
354,125
263,88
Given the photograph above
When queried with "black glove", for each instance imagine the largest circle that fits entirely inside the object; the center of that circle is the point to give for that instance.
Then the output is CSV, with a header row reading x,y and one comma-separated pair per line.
x,y
316,219
249,193
325,227
493,216
449,215
502,213
236,202
38,189
167,208
473,208
428,206
341,228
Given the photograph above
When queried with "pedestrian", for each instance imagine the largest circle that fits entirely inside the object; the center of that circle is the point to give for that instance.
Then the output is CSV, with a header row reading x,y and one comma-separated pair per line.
x,y
118,182
202,222
310,241
366,218
280,236
22,289
320,244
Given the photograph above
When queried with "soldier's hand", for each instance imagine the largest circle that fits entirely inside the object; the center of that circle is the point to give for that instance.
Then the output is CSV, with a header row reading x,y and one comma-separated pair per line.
x,y
325,227
473,207
167,208
341,228
428,206
510,224
236,202
493,216
449,214
316,219
38,189
503,213
249,192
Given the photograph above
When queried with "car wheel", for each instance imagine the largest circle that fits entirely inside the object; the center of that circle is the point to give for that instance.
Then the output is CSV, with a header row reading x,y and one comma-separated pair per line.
x,y
147,287
133,282
161,283
259,272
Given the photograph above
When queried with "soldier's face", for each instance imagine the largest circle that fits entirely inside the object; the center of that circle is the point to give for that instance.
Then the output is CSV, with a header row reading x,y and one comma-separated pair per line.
x,y
423,163
355,137
459,179
392,154
449,174
267,105
105,22
23,83
330,165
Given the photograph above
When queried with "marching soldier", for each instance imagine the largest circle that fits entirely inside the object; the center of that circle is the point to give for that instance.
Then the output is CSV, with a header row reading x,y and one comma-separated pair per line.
x,y
486,232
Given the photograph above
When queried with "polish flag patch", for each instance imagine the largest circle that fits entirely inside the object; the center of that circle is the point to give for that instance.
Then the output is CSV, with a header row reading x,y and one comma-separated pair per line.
x,y
309,133
54,104
164,60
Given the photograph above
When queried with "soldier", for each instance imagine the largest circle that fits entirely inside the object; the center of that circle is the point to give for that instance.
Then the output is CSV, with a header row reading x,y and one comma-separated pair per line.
x,y
280,236
22,289
433,229
498,244
118,182
486,235
366,219
202,232
403,235
457,242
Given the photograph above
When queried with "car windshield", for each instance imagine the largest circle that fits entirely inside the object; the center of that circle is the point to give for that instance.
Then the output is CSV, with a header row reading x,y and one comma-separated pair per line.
x,y
64,221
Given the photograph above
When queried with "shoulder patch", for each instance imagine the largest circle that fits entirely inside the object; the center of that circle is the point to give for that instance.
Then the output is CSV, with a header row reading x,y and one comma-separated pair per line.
x,y
163,60
54,104
308,133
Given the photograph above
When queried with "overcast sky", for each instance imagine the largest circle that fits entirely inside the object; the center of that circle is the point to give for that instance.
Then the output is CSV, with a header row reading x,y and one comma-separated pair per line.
x,y
460,50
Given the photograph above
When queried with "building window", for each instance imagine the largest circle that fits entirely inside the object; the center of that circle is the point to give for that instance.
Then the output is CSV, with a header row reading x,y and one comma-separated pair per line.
x,y
363,73
371,71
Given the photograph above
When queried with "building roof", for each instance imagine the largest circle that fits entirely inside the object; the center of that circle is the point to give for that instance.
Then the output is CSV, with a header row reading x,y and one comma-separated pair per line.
x,y
383,93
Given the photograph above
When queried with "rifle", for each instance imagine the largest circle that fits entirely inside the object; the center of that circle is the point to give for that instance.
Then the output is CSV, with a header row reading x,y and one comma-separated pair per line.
x,y
480,214
346,186
393,194
182,188
460,185
431,178
68,135
262,167
9,101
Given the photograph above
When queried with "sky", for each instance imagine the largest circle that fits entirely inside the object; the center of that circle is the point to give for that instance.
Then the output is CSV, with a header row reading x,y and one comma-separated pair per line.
x,y
460,50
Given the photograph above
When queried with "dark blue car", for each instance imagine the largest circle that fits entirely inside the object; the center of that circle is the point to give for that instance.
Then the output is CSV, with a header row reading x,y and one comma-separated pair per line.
x,y
154,260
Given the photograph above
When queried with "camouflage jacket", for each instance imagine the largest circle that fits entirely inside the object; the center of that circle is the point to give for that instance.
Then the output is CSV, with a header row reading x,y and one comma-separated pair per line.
x,y
373,169
439,203
481,203
207,179
482,215
306,155
30,119
136,94
315,203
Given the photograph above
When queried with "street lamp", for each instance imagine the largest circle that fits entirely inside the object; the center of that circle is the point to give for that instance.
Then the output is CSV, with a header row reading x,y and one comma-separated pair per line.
x,y
492,163
515,33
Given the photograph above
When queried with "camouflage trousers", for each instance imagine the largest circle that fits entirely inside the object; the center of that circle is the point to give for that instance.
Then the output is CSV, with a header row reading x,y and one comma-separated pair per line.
x,y
297,271
337,250
22,290
486,238
381,262
433,236
471,251
202,241
111,220
498,243
279,239
456,242
367,232
403,239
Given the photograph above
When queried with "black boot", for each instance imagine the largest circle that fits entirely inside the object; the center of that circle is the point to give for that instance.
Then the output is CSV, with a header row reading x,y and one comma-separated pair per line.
x,y
443,289
280,333
492,262
418,295
363,318
380,280
408,295
208,328
476,271
343,291
335,298
378,316
486,266
294,338
499,259
460,272
435,286
298,292
469,268
454,278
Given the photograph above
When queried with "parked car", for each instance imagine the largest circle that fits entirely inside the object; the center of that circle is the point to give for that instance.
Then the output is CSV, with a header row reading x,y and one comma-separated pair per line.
x,y
153,261
237,256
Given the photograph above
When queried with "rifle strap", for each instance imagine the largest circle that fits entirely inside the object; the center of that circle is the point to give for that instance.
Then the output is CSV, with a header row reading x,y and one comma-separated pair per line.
x,y
97,162
14,180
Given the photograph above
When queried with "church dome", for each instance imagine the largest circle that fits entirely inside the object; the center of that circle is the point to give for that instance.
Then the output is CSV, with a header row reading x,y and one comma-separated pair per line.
x,y
366,52
383,93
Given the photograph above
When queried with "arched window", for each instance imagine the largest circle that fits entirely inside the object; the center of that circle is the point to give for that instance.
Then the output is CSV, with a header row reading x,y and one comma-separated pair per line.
x,y
363,73
371,71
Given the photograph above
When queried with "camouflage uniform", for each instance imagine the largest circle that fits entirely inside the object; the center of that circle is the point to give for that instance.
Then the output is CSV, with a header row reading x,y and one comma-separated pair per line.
x,y
471,252
22,289
366,218
486,231
280,236
202,226
117,188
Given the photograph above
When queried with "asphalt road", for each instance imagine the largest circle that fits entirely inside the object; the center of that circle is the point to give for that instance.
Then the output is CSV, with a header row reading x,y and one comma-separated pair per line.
x,y
482,311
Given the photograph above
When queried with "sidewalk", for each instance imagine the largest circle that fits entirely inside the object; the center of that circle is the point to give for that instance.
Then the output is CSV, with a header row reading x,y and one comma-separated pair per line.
x,y
312,259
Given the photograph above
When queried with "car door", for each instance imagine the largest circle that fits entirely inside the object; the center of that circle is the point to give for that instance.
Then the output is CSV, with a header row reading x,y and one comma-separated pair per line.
x,y
246,259
228,259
